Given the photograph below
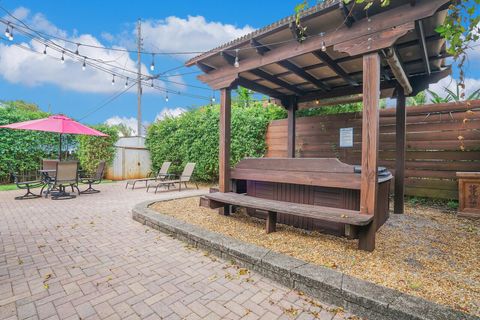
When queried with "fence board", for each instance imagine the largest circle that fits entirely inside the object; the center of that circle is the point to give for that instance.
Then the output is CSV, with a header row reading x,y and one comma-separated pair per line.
x,y
436,134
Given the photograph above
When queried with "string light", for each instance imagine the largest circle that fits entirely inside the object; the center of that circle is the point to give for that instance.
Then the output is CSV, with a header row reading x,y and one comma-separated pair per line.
x,y
10,34
152,65
166,97
7,32
84,66
76,51
152,84
45,50
324,47
236,64
126,83
113,79
63,57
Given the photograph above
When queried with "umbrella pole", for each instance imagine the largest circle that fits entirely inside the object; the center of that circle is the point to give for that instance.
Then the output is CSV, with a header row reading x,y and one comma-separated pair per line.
x,y
60,148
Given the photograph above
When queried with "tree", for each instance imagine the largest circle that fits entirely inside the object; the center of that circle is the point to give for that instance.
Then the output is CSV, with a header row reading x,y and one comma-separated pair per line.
x,y
244,96
93,149
418,100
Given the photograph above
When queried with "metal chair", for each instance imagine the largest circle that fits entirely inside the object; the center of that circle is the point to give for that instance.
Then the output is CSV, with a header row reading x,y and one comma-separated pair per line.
x,y
66,175
95,179
27,185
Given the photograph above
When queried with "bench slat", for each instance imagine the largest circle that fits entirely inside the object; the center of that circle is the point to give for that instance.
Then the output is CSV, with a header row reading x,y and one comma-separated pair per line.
x,y
346,216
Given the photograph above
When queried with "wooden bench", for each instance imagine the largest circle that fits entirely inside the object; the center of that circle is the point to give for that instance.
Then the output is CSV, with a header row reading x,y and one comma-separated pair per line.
x,y
350,217
314,194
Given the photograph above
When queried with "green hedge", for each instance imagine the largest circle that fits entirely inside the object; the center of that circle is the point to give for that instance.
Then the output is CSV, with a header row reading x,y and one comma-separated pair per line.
x,y
193,137
21,151
91,149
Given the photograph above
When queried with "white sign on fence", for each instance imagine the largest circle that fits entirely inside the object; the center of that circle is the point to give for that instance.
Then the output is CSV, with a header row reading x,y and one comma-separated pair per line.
x,y
346,137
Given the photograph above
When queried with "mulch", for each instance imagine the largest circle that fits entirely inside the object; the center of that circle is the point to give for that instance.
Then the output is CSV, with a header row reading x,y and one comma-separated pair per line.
x,y
428,252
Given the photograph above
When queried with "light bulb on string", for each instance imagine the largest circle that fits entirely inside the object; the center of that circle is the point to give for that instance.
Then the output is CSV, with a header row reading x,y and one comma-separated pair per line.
x,y
324,47
126,83
213,96
152,84
7,32
62,60
152,65
84,66
166,97
45,50
76,51
10,36
113,79
237,63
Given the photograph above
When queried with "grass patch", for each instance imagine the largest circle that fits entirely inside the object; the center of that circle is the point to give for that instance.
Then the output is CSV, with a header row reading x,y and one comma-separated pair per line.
x,y
12,186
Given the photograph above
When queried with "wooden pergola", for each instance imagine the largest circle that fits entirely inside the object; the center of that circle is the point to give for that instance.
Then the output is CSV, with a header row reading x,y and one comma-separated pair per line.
x,y
346,54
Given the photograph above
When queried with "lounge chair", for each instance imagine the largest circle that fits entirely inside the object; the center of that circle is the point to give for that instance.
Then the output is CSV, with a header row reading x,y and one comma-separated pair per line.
x,y
66,176
162,174
184,178
27,185
95,179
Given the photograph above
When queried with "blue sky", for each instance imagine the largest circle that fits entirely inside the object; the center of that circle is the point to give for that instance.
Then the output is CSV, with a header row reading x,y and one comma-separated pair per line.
x,y
113,23
168,25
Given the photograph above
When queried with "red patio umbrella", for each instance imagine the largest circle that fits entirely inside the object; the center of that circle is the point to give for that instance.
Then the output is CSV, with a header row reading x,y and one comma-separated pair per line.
x,y
56,123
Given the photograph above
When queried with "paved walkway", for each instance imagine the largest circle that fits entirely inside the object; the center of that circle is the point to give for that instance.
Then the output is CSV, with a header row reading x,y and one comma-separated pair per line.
x,y
87,259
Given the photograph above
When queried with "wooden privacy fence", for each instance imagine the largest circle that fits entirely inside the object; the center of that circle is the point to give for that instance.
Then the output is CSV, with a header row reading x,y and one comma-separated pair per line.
x,y
441,140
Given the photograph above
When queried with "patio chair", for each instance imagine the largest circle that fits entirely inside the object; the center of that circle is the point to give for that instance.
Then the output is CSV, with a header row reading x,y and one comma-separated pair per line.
x,y
49,170
184,178
66,176
95,179
27,185
162,174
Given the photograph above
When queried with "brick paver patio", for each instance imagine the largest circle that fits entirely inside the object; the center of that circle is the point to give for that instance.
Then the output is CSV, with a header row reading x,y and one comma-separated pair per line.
x,y
87,259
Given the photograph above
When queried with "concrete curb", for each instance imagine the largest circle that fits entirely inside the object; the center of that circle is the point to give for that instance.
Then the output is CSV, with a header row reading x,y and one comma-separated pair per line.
x,y
355,295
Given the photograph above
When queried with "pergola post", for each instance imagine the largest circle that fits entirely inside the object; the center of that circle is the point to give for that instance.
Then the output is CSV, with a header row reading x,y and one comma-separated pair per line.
x,y
292,108
224,147
401,121
370,142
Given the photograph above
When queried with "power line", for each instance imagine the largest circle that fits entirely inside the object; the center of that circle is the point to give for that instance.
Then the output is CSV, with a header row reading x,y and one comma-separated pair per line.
x,y
251,47
108,101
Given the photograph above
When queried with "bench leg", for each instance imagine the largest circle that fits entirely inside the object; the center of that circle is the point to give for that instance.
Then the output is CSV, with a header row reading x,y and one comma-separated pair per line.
x,y
366,240
271,222
226,210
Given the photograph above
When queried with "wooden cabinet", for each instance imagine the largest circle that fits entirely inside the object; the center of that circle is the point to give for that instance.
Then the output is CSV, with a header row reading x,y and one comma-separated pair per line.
x,y
469,194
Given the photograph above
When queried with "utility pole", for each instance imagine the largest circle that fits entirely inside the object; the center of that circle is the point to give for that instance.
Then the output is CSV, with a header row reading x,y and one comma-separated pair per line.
x,y
139,77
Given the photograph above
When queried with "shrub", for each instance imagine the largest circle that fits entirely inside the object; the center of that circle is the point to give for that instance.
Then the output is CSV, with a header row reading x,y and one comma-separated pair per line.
x,y
20,150
92,149
193,137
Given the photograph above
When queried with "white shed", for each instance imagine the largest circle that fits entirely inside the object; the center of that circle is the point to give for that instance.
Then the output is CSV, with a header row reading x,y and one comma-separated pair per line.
x,y
132,159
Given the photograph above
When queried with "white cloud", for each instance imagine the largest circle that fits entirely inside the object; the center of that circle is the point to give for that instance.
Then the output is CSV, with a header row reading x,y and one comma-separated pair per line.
x,y
167,113
130,123
471,85
194,33
20,66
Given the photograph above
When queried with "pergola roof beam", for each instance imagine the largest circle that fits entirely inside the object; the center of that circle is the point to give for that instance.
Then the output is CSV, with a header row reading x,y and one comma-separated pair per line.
x,y
303,74
423,46
348,17
273,79
259,88
205,68
398,70
228,58
335,67
293,68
